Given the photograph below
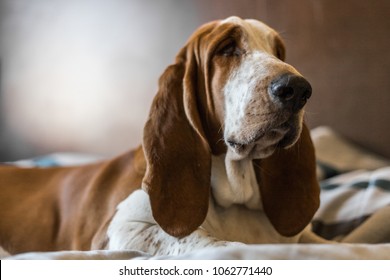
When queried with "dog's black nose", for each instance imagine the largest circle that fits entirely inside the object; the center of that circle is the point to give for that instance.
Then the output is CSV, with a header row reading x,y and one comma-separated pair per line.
x,y
291,91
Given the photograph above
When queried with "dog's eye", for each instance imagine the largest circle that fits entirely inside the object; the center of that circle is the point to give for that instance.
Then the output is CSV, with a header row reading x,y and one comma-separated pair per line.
x,y
229,48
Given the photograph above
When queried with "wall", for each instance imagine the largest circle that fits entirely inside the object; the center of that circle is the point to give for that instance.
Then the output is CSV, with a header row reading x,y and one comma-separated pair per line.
x,y
80,75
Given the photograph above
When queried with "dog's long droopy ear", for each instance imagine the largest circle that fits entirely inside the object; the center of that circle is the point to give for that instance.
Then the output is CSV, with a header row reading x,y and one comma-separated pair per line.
x,y
289,187
177,154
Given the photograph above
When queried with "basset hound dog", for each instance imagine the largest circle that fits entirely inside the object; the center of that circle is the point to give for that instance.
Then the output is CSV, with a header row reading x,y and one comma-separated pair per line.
x,y
226,159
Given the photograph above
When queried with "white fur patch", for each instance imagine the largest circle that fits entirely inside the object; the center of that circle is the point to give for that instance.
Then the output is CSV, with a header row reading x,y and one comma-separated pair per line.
x,y
234,182
240,88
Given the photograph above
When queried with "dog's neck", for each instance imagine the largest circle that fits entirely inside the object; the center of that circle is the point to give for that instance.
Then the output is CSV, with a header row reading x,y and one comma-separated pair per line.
x,y
233,182
235,208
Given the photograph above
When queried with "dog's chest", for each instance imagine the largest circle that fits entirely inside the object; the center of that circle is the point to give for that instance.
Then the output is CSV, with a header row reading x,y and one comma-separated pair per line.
x,y
238,223
235,210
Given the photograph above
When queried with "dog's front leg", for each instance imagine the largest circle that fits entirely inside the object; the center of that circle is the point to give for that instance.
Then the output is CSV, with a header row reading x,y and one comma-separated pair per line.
x,y
151,239
133,228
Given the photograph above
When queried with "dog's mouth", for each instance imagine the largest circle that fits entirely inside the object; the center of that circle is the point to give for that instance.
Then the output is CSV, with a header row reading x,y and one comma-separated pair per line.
x,y
266,140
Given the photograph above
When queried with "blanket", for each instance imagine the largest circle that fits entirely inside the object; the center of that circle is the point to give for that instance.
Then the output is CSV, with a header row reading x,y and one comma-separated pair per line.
x,y
355,198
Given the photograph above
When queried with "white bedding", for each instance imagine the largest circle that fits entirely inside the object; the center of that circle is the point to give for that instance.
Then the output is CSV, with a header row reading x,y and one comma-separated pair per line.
x,y
355,185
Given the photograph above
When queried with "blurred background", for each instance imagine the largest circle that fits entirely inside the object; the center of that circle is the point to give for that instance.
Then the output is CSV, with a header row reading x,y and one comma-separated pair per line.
x,y
79,75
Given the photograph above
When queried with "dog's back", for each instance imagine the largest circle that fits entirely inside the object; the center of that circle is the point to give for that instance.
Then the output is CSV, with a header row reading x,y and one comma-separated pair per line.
x,y
63,208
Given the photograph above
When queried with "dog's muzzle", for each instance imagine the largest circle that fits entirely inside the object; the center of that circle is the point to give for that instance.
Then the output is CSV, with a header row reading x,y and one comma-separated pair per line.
x,y
289,94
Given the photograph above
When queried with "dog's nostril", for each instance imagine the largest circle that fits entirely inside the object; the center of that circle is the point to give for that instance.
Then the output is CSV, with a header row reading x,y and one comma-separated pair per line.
x,y
284,93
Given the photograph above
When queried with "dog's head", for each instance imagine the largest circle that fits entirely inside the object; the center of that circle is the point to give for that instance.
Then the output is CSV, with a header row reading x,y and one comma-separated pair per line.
x,y
229,91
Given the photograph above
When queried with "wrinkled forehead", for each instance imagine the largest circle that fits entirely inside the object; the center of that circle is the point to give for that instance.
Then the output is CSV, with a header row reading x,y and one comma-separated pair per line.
x,y
257,34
